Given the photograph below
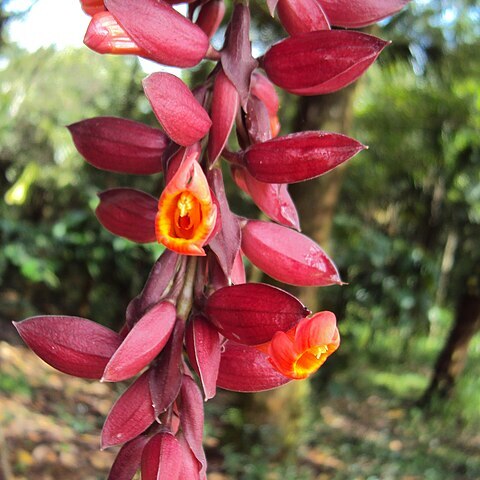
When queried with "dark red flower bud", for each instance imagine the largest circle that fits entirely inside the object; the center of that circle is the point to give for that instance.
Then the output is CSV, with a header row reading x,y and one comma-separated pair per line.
x,y
257,120
246,369
203,348
73,345
131,414
183,118
321,62
225,104
287,256
211,16
299,156
128,213
251,313
164,34
301,16
359,13
142,344
119,145
191,467
128,459
162,458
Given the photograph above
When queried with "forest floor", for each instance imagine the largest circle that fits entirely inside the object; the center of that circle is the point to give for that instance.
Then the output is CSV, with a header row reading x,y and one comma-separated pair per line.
x,y
50,425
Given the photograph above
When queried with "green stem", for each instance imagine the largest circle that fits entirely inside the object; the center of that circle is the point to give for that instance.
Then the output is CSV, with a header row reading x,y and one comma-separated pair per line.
x,y
185,299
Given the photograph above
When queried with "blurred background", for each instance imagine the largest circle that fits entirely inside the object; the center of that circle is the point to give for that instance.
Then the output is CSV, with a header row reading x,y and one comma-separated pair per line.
x,y
401,398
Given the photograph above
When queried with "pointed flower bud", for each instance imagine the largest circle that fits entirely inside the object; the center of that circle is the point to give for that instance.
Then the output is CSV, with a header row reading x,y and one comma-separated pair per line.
x,y
303,350
316,63
186,213
106,35
165,35
185,121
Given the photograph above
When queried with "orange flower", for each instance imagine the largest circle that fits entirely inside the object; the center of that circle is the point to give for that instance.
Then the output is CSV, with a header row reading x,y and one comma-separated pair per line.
x,y
302,350
186,213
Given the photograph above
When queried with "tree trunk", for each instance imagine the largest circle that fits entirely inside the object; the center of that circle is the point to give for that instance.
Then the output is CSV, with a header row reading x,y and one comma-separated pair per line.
x,y
452,358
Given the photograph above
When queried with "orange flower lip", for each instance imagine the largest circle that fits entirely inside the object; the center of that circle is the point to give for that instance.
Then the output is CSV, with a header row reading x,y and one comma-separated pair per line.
x,y
186,213
304,349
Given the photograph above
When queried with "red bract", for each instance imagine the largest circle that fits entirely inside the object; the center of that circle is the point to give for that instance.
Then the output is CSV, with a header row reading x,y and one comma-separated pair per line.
x,y
299,156
251,313
246,369
321,62
166,36
287,256
272,199
128,213
162,458
301,16
183,118
73,345
203,348
131,415
359,13
142,344
119,145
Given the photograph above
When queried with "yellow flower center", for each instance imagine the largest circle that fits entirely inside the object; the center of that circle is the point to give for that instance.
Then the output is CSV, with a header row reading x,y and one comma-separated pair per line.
x,y
310,361
188,216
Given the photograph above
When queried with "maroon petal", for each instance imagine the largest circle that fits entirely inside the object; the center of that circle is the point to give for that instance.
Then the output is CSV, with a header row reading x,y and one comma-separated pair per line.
x,y
321,62
185,121
162,458
226,243
252,313
203,348
223,111
142,344
128,213
237,61
166,35
119,145
73,345
211,16
131,414
299,156
128,459
359,13
246,369
191,419
287,256
166,376
301,16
